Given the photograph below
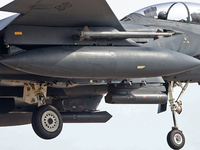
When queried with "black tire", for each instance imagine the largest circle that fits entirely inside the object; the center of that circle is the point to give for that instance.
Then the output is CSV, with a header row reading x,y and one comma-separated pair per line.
x,y
175,139
47,122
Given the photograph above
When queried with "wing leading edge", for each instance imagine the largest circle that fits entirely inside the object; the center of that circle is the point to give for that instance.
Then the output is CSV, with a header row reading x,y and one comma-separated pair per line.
x,y
63,13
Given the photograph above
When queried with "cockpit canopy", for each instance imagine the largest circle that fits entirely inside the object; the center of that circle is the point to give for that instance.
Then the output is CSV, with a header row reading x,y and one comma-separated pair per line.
x,y
177,11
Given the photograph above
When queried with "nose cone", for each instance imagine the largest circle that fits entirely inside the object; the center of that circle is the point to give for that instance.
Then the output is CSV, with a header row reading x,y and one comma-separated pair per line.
x,y
191,63
10,62
17,62
181,62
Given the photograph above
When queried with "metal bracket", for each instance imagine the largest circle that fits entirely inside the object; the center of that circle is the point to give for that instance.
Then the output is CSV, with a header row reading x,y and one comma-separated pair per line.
x,y
35,93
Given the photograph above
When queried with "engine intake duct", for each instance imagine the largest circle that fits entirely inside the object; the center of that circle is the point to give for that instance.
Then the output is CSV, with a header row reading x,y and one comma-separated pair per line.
x,y
84,117
136,94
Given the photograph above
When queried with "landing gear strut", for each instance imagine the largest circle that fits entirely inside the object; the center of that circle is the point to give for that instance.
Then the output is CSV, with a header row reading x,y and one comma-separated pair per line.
x,y
175,137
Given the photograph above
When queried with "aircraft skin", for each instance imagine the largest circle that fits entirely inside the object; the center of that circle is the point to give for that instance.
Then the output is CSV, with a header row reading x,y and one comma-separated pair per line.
x,y
58,61
191,33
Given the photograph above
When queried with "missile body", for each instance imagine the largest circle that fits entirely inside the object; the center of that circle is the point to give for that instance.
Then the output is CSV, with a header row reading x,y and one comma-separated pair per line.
x,y
84,117
90,34
130,94
101,62
136,98
17,118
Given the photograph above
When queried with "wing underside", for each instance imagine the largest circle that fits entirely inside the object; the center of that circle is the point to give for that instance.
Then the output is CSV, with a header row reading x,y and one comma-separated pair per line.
x,y
63,13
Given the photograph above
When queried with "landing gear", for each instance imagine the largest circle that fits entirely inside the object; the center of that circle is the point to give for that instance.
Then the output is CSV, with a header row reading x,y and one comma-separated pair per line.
x,y
175,137
47,122
46,119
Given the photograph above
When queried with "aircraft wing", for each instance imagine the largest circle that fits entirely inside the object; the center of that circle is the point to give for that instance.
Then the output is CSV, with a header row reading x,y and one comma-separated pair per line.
x,y
63,13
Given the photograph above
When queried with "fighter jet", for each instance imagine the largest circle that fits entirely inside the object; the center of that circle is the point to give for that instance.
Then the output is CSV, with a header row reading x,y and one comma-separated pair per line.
x,y
59,58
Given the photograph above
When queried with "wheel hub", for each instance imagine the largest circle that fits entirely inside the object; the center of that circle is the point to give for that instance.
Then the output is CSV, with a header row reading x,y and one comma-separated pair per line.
x,y
178,138
50,121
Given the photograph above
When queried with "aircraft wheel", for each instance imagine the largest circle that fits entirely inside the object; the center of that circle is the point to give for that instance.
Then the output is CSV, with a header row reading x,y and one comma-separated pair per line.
x,y
175,139
47,122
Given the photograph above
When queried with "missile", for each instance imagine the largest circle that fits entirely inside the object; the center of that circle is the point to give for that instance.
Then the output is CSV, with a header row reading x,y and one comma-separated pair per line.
x,y
86,33
136,98
132,94
101,62
17,118
91,34
86,117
